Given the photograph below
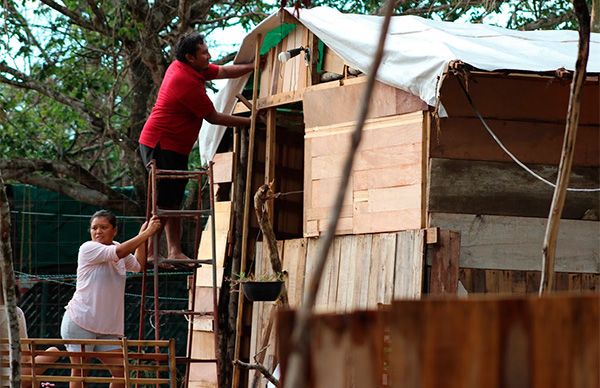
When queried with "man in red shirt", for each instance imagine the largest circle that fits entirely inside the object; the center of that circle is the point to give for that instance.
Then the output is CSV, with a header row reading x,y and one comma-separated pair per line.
x,y
174,123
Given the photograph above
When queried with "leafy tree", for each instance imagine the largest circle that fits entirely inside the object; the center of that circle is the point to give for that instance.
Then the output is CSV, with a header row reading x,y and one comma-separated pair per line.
x,y
78,78
78,81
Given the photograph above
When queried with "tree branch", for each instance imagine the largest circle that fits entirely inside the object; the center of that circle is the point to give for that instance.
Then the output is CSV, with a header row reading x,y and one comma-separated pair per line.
x,y
546,22
23,81
88,188
259,368
76,18
568,149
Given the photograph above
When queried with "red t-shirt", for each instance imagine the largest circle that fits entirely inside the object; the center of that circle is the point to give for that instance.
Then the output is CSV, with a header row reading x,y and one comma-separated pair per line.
x,y
180,107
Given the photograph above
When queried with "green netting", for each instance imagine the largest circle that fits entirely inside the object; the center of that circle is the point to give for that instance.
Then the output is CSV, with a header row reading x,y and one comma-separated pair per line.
x,y
48,228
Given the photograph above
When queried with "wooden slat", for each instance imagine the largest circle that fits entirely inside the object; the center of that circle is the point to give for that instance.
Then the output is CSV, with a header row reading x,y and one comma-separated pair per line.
x,y
223,217
386,101
533,142
381,273
409,265
445,264
521,241
223,167
294,264
346,270
523,98
359,293
497,188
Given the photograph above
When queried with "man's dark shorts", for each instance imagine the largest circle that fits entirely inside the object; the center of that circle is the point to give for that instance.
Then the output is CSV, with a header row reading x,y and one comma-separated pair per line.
x,y
170,191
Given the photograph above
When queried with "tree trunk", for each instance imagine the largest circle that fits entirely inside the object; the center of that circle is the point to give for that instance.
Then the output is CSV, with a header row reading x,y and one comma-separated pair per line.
x,y
8,289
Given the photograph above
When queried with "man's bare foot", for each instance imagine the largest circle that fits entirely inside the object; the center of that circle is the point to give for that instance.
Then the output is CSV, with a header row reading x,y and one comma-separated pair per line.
x,y
150,263
178,256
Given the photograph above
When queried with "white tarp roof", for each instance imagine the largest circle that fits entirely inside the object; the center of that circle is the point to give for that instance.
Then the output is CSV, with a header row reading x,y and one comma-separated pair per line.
x,y
417,53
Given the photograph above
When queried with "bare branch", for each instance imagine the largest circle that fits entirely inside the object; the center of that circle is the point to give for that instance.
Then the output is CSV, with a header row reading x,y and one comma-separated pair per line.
x,y
259,368
88,188
76,18
550,21
23,81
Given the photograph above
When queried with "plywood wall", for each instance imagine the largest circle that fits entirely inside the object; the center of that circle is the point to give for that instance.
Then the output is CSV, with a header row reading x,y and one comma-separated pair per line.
x,y
385,188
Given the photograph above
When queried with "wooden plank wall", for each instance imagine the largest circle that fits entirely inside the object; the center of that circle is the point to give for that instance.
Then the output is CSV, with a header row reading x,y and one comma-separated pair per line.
x,y
499,209
515,243
384,193
477,280
549,342
362,272
278,78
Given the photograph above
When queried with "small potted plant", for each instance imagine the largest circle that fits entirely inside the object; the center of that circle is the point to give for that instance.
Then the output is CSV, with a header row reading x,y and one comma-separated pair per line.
x,y
261,288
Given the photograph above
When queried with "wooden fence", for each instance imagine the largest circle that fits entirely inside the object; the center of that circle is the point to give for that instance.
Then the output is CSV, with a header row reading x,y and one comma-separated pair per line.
x,y
477,342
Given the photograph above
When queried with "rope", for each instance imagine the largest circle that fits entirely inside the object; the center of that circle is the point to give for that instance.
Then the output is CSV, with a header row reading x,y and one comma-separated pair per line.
x,y
70,215
514,158
53,279
288,193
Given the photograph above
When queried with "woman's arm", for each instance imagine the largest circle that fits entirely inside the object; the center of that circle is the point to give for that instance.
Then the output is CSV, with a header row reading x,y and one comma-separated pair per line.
x,y
147,230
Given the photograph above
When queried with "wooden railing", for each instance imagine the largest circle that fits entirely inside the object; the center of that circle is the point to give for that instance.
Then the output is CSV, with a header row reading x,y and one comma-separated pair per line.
x,y
141,362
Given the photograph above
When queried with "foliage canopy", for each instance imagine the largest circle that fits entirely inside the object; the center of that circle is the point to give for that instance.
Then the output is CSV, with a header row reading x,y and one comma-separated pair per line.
x,y
78,78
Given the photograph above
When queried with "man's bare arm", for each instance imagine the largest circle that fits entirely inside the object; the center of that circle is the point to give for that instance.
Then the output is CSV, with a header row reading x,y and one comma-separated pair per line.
x,y
227,120
234,71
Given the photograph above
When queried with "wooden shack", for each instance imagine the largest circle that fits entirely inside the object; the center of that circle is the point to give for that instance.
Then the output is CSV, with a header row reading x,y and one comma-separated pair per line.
x,y
434,203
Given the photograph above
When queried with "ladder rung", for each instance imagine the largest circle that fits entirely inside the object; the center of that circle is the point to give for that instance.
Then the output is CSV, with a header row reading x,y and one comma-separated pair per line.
x,y
184,262
184,312
182,213
160,173
193,360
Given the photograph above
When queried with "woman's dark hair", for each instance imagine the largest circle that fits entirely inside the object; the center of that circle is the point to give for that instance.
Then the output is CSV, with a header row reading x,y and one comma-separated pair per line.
x,y
112,219
188,44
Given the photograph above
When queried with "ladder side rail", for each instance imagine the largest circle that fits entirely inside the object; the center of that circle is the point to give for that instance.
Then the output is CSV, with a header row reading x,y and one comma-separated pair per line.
x,y
214,261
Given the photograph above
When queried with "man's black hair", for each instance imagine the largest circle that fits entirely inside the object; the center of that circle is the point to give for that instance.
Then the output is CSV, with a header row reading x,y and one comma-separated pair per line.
x,y
188,44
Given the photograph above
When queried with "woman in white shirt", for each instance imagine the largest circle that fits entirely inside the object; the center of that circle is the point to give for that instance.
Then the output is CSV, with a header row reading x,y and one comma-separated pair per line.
x,y
96,310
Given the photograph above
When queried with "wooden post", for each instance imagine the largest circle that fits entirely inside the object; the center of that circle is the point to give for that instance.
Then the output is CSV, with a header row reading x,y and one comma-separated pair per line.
x,y
270,155
445,263
7,289
245,225
126,361
566,158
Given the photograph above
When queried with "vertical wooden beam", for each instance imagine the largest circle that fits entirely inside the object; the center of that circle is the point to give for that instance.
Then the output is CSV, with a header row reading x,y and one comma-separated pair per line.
x,y
445,263
125,350
425,175
270,155
270,149
313,45
246,223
